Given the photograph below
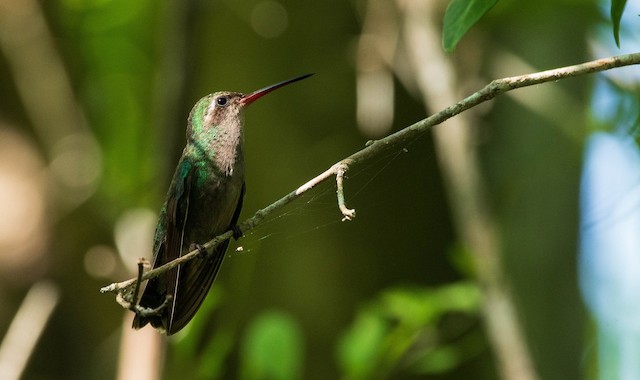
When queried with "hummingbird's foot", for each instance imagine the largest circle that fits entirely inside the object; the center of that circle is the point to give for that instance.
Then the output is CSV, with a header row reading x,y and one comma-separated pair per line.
x,y
237,232
200,248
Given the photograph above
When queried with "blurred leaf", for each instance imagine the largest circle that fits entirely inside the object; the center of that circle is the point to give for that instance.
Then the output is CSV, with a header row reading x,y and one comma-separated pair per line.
x,y
213,358
387,330
188,345
272,348
617,9
413,308
360,348
460,257
446,357
418,307
460,297
187,339
115,43
440,359
460,16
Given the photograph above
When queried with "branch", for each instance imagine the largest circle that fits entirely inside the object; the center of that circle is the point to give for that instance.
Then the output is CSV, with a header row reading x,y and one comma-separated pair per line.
x,y
374,148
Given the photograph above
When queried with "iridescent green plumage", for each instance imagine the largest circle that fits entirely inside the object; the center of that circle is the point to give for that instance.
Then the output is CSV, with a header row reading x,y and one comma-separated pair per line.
x,y
204,200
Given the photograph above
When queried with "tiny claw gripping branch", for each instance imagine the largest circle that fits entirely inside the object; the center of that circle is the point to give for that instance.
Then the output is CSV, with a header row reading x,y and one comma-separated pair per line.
x,y
127,293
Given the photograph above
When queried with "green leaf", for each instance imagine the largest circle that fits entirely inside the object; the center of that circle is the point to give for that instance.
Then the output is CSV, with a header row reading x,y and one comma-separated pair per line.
x,y
460,16
190,358
360,348
188,340
272,348
460,296
445,357
413,308
211,363
617,8
439,360
388,329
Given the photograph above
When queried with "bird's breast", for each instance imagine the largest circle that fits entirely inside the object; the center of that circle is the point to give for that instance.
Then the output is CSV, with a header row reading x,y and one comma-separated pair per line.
x,y
213,203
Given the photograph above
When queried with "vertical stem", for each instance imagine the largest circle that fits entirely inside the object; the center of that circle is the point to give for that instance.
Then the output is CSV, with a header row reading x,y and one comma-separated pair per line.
x,y
474,222
26,328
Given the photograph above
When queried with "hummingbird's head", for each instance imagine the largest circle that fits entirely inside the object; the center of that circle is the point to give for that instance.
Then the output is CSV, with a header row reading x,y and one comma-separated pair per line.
x,y
221,112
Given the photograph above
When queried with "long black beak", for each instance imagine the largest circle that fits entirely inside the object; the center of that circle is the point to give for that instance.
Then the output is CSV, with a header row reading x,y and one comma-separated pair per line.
x,y
252,97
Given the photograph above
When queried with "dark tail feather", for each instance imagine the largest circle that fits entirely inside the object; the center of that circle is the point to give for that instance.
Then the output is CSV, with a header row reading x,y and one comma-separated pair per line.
x,y
194,281
188,287
156,321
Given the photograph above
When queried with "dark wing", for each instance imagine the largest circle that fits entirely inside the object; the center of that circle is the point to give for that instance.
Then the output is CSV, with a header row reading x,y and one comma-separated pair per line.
x,y
195,280
168,246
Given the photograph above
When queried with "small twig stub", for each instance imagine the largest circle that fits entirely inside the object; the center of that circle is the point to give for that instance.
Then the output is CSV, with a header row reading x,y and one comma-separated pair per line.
x,y
347,213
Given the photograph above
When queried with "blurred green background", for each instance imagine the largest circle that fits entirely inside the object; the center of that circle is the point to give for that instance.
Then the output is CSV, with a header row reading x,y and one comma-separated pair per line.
x,y
95,96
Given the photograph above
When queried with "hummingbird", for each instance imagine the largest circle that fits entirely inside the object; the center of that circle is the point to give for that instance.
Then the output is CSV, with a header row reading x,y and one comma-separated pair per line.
x,y
203,201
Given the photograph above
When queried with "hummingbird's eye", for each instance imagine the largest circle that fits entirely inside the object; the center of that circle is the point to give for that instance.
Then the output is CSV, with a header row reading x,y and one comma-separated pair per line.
x,y
222,101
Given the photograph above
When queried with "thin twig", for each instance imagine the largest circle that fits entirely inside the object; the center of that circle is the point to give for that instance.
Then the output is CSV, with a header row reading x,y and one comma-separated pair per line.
x,y
136,290
375,148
